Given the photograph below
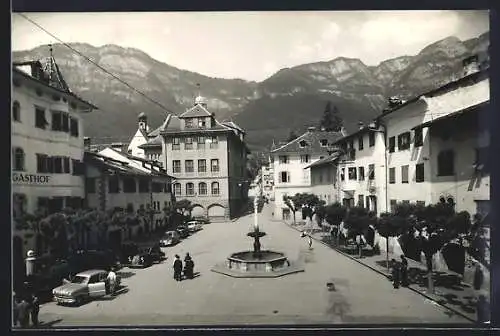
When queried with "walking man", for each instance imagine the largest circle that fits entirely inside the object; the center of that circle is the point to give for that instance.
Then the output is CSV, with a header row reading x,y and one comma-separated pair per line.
x,y
177,268
23,311
188,266
396,272
310,241
404,271
15,309
112,281
35,309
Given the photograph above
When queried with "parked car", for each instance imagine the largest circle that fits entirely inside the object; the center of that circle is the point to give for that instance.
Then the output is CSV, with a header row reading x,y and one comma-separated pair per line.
x,y
154,250
171,238
84,286
92,259
202,220
141,260
194,226
49,273
183,231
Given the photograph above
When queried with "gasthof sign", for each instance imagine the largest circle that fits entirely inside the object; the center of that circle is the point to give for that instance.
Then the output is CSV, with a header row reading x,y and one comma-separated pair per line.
x,y
19,178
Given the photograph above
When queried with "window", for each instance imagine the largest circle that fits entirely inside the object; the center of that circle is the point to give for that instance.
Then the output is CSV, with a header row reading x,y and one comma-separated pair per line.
x,y
56,121
418,139
202,188
176,143
189,189
421,203
361,173
74,127
16,111
143,186
371,139
90,183
129,185
188,143
481,159
78,168
215,188
342,174
176,166
189,165
323,142
392,175
405,202
19,202
188,123
360,143
404,141
352,173
40,121
351,154
214,142
361,201
284,177
419,172
168,188
18,159
371,172
41,163
283,159
113,185
64,122
201,142
303,144
393,204
177,189
202,166
392,144
57,162
201,123
446,163
214,165
66,169
304,158
404,173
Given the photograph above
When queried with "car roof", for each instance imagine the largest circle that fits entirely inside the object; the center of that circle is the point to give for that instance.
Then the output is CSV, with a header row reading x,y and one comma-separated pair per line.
x,y
91,272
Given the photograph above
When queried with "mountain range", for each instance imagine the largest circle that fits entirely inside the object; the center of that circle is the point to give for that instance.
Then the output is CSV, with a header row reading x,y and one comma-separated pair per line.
x,y
291,99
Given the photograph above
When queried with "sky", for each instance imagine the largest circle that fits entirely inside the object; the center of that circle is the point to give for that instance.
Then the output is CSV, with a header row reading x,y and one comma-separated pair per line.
x,y
253,45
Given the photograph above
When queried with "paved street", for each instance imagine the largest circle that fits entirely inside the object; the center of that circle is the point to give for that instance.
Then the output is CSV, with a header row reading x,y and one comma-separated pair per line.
x,y
154,298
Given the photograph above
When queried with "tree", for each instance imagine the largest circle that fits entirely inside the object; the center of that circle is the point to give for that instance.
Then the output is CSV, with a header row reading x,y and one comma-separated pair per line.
x,y
184,207
390,225
357,222
308,202
292,136
331,120
289,202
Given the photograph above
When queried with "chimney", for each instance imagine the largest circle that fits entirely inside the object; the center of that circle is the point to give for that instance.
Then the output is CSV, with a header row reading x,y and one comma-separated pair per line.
x,y
361,125
311,129
86,143
470,65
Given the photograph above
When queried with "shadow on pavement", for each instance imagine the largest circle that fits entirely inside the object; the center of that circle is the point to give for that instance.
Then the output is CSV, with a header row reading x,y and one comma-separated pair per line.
x,y
111,297
49,324
125,275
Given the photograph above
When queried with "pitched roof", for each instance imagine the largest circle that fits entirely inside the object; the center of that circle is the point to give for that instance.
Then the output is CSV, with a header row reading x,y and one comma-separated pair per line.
x,y
452,115
155,142
232,124
111,164
312,140
136,158
196,111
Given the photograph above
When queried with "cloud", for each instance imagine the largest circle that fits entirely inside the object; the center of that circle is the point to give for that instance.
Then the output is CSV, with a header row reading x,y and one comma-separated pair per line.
x,y
317,45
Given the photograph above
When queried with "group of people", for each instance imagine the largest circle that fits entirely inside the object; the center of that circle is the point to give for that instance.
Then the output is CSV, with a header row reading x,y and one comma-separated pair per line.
x,y
188,270
400,272
24,308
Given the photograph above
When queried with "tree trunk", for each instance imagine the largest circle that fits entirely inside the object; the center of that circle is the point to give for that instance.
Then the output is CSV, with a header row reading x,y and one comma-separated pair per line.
x,y
387,252
294,218
430,282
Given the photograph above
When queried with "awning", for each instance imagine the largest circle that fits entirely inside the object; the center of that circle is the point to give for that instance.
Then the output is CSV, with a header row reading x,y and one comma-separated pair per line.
x,y
452,115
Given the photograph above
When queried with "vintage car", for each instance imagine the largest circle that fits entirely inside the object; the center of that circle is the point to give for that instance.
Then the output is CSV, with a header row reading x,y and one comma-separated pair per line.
x,y
194,226
153,250
141,260
84,286
183,231
171,238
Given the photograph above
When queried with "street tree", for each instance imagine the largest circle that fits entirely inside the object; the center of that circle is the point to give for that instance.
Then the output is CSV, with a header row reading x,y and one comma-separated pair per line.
x,y
289,202
331,120
184,207
357,222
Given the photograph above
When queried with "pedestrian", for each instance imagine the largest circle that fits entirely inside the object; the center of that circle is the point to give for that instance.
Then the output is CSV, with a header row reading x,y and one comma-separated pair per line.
x,y
177,268
396,272
35,309
310,241
15,309
23,311
111,278
483,309
188,266
478,276
404,271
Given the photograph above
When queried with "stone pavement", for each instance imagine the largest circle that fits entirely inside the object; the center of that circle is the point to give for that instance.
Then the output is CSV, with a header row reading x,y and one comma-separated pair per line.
x,y
153,297
449,291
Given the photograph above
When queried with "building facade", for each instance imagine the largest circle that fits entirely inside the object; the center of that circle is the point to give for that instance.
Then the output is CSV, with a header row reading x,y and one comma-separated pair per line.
x,y
289,161
208,161
147,143
414,153
47,140
324,182
117,180
268,181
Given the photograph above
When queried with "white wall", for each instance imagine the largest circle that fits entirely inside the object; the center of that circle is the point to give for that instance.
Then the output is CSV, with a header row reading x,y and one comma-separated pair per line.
x,y
137,141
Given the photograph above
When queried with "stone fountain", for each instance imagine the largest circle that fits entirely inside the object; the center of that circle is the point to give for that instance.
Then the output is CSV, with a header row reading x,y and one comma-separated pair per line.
x,y
257,263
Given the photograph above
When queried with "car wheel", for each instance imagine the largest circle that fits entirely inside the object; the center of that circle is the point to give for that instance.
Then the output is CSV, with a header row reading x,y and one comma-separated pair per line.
x,y
79,301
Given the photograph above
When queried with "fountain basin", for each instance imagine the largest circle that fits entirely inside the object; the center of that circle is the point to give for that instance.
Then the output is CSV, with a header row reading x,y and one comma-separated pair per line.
x,y
264,264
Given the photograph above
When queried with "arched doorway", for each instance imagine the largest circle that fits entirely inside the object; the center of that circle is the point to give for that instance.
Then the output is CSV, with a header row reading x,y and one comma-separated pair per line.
x,y
198,211
216,212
